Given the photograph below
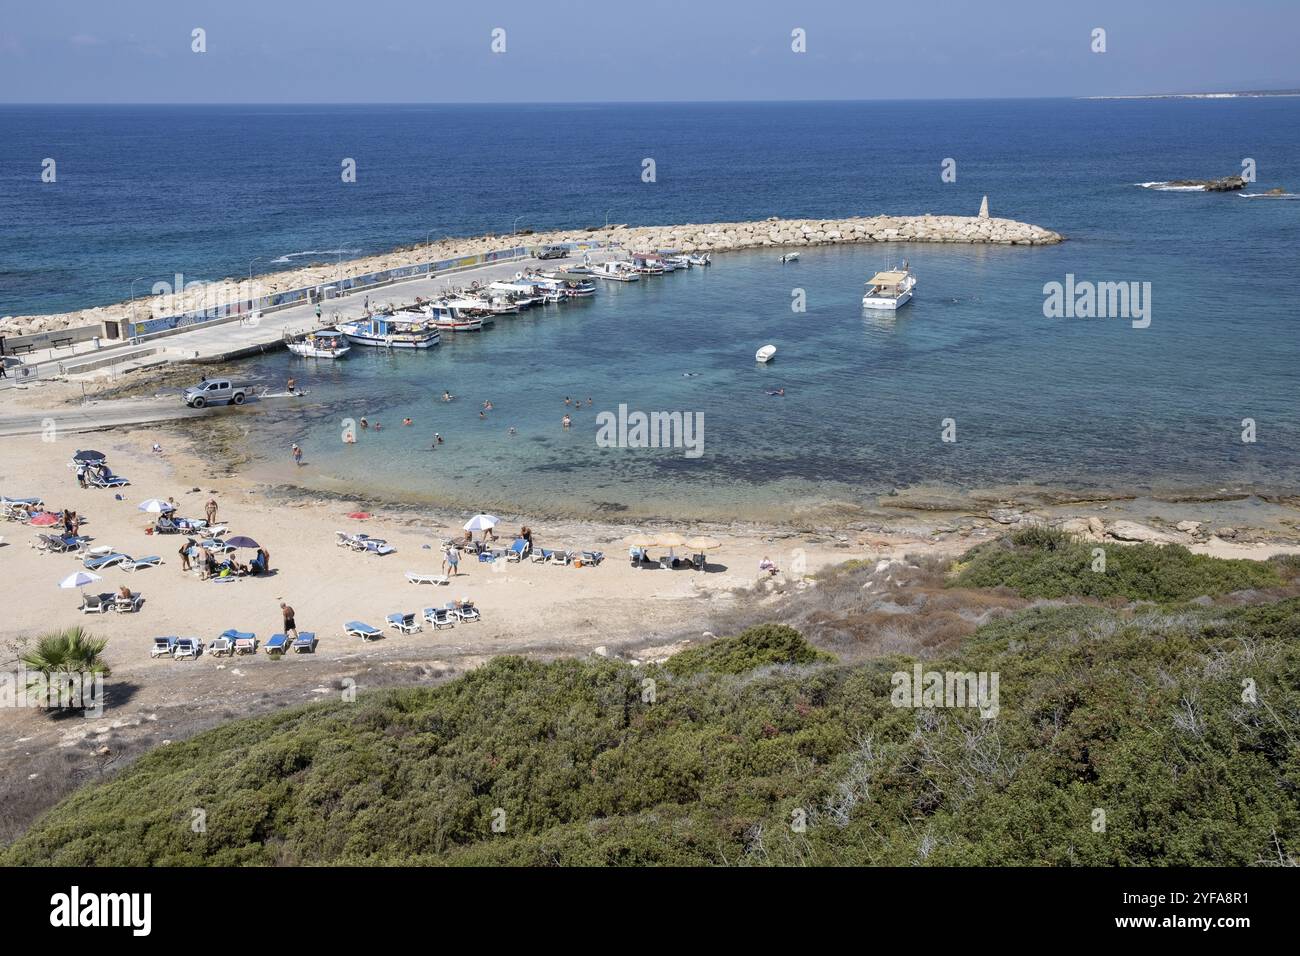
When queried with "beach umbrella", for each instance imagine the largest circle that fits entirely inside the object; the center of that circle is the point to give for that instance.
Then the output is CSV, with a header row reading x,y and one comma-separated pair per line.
x,y
156,506
670,540
89,456
79,580
242,541
44,519
698,545
481,523
641,540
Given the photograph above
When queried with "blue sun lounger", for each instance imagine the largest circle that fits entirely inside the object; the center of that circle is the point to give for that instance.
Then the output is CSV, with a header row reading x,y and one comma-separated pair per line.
x,y
245,642
105,561
304,643
406,623
163,646
277,644
439,617
363,631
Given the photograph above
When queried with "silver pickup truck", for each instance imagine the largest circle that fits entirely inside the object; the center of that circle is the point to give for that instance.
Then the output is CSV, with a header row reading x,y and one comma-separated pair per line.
x,y
214,390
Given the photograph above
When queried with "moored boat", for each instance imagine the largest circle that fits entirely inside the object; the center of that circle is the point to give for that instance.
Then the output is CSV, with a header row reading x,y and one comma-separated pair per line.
x,y
323,343
448,318
889,289
385,331
619,270
765,354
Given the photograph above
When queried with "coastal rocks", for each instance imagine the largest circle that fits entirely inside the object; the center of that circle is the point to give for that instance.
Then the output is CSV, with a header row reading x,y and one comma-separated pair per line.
x,y
1226,184
1132,531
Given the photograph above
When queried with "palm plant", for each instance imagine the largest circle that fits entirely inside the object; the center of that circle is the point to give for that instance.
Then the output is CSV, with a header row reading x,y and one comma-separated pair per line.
x,y
64,658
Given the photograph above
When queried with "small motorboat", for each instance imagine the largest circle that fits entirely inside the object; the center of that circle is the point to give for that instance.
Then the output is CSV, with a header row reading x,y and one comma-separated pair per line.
x,y
701,260
789,257
323,343
765,353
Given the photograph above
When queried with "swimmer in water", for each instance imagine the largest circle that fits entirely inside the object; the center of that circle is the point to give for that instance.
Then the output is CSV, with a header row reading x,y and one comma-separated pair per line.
x,y
447,396
364,423
407,421
512,429
567,422
378,426
776,391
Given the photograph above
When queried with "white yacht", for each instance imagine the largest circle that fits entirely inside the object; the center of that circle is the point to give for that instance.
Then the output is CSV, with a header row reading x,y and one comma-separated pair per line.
x,y
323,343
889,289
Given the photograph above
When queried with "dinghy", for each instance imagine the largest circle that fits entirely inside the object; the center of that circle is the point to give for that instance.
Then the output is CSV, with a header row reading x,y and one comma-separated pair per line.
x,y
765,353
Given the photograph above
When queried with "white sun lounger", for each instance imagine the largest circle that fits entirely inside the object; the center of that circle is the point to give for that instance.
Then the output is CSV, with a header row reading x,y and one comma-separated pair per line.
x,y
163,647
439,617
187,648
406,623
415,578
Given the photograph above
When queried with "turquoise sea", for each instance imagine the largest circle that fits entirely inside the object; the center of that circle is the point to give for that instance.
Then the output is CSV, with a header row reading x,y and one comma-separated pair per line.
x,y
1078,403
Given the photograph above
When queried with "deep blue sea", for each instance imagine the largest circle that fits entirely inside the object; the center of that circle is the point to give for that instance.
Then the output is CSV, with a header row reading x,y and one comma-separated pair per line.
x,y
205,191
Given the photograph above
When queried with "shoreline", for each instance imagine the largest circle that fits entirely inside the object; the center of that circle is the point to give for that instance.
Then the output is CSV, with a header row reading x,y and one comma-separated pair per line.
x,y
690,237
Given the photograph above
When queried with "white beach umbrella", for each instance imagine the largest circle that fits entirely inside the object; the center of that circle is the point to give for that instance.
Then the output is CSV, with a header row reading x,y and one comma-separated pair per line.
x,y
79,580
481,523
156,506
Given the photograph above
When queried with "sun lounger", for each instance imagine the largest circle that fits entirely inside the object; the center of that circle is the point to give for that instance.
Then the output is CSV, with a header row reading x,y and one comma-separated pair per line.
x,y
464,612
406,623
105,561
277,644
165,525
415,578
439,617
245,642
110,480
517,550
187,647
128,604
363,631
304,643
163,647
375,546
152,561
698,562
486,557
592,557
95,603
33,502
221,647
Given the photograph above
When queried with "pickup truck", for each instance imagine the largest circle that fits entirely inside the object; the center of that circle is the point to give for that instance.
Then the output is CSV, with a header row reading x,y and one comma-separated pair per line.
x,y
214,390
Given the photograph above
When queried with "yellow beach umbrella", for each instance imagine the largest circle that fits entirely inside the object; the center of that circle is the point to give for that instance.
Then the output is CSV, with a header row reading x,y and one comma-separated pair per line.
x,y
670,540
641,540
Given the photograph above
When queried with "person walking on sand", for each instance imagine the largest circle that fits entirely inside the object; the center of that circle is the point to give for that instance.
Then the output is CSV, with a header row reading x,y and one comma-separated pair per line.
x,y
184,553
450,562
297,455
290,626
211,509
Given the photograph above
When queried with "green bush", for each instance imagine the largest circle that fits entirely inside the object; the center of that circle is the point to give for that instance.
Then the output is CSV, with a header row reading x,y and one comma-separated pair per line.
x,y
585,763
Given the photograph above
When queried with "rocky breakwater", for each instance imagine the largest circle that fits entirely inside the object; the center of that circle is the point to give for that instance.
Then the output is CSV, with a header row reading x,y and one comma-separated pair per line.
x,y
710,237
722,237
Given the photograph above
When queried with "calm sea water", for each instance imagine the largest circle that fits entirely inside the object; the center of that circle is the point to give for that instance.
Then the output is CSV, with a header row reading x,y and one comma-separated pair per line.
x,y
1085,403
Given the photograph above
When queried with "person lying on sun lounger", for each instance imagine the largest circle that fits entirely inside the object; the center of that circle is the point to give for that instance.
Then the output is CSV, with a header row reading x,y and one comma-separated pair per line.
x,y
767,565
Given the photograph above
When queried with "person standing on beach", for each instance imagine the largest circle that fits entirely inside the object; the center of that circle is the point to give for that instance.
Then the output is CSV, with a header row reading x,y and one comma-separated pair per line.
x,y
290,626
211,509
297,455
184,553
450,562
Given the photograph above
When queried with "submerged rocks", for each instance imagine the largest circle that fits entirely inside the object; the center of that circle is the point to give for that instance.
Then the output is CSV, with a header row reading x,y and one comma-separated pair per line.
x,y
1224,185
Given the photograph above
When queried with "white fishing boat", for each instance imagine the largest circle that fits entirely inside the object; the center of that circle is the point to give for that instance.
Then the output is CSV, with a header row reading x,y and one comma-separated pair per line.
x,y
701,260
618,270
789,257
386,331
889,289
765,353
520,289
323,343
648,264
575,286
449,318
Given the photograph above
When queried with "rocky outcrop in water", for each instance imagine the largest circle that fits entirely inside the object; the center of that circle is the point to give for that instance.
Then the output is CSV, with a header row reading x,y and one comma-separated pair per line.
x,y
1225,185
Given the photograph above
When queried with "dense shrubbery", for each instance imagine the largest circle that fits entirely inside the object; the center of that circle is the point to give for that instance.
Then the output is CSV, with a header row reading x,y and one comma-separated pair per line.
x,y
1042,563
1141,717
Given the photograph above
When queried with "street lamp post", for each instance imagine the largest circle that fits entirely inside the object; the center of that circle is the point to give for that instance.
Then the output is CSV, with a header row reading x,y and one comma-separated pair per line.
x,y
514,225
133,282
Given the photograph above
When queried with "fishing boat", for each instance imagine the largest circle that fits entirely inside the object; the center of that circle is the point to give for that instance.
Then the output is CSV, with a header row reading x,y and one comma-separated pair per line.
x,y
447,317
678,261
323,343
889,289
701,260
520,289
575,286
618,270
765,353
387,331
648,264
789,257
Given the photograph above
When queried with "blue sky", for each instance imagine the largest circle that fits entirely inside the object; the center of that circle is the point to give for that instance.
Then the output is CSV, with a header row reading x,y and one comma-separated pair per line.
x,y
139,51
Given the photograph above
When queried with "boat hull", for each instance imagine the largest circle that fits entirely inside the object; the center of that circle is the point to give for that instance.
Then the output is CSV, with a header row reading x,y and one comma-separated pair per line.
x,y
392,342
886,302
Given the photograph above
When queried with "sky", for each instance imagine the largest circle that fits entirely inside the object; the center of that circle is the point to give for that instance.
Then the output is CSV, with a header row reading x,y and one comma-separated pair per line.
x,y
332,51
